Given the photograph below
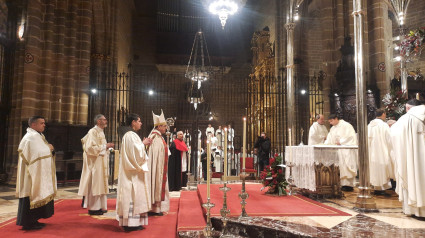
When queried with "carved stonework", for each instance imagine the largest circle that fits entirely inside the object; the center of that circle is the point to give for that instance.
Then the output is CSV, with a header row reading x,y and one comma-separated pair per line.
x,y
343,96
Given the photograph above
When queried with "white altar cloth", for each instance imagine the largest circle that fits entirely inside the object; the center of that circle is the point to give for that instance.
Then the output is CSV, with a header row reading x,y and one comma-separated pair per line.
x,y
306,157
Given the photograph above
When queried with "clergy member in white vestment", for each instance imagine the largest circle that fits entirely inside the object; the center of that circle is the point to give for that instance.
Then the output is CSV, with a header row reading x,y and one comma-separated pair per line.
x,y
342,133
209,131
94,175
230,136
381,163
158,167
412,103
36,177
133,197
318,131
408,137
219,135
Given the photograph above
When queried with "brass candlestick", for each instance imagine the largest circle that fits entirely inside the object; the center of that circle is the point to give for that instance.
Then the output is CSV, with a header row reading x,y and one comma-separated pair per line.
x,y
224,211
208,229
243,195
290,179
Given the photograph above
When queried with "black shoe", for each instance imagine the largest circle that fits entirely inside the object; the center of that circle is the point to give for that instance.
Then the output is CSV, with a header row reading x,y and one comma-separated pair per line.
x,y
40,224
97,212
347,188
104,211
34,226
381,193
132,228
155,214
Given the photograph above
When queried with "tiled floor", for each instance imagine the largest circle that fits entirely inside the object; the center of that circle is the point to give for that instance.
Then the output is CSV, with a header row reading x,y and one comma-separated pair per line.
x,y
388,222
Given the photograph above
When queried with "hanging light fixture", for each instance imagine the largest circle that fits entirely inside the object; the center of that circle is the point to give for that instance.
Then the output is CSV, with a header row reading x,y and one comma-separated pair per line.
x,y
223,8
196,69
195,95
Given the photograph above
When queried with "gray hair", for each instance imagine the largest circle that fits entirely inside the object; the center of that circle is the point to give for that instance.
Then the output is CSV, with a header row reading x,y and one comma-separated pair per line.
x,y
318,116
97,117
34,119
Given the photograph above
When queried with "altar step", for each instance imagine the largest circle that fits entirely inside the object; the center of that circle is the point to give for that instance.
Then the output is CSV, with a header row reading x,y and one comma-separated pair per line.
x,y
190,215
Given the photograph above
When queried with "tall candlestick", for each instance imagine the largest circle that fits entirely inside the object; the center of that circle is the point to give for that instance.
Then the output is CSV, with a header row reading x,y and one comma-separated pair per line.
x,y
208,166
244,143
188,160
290,145
418,97
225,155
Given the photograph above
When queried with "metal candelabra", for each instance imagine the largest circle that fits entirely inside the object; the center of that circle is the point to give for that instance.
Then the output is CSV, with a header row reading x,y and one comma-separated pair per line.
x,y
243,195
290,179
208,229
224,212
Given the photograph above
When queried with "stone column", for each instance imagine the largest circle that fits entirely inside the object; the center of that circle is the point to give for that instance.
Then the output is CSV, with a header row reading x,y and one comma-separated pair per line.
x,y
290,82
365,201
290,67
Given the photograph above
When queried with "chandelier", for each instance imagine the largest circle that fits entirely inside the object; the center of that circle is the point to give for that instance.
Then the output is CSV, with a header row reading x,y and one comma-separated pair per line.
x,y
195,95
196,69
223,8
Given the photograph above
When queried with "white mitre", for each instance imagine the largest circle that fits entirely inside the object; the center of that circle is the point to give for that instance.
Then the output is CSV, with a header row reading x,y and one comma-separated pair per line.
x,y
159,120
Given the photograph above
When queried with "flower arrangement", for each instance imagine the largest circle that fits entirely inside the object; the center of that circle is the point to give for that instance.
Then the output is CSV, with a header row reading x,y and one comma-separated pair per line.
x,y
394,102
412,43
273,177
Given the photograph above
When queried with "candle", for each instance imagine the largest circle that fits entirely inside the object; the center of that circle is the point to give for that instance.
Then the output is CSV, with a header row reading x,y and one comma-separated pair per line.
x,y
290,145
418,96
225,154
208,166
188,161
244,143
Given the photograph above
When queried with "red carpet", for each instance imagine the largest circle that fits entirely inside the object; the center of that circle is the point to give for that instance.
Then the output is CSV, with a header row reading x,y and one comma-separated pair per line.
x,y
259,204
191,215
70,220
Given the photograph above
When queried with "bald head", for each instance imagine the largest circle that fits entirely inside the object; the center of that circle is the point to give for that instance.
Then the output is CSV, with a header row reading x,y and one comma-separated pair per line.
x,y
411,103
320,119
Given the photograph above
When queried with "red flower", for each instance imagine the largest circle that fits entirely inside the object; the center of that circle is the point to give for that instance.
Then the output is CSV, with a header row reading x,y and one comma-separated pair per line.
x,y
280,171
272,160
276,155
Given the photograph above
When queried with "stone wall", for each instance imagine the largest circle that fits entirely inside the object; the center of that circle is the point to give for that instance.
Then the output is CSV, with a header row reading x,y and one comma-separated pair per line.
x,y
64,43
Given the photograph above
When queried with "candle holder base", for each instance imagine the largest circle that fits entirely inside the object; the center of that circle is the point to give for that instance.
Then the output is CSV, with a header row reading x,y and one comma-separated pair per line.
x,y
290,180
208,229
224,212
243,195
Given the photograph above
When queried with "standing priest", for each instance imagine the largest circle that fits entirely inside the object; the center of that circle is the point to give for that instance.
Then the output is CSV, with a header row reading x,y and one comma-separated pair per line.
x,y
133,198
177,164
380,157
158,166
94,177
318,131
36,177
408,137
342,133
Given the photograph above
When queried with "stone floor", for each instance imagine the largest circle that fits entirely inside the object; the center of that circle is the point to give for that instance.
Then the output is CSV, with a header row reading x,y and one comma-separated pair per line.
x,y
388,222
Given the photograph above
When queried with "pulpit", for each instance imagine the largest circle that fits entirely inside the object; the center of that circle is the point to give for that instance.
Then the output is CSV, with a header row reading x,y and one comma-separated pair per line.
x,y
316,169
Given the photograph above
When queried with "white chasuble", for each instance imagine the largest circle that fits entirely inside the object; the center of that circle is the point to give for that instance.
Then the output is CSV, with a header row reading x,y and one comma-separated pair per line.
x,y
158,166
317,134
133,197
344,133
94,174
408,138
381,163
36,175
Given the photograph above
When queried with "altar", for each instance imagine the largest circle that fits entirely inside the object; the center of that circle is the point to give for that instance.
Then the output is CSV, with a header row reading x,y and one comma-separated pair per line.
x,y
316,168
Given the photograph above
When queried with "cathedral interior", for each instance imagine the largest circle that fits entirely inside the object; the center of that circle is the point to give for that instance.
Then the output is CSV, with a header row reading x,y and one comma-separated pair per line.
x,y
69,60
